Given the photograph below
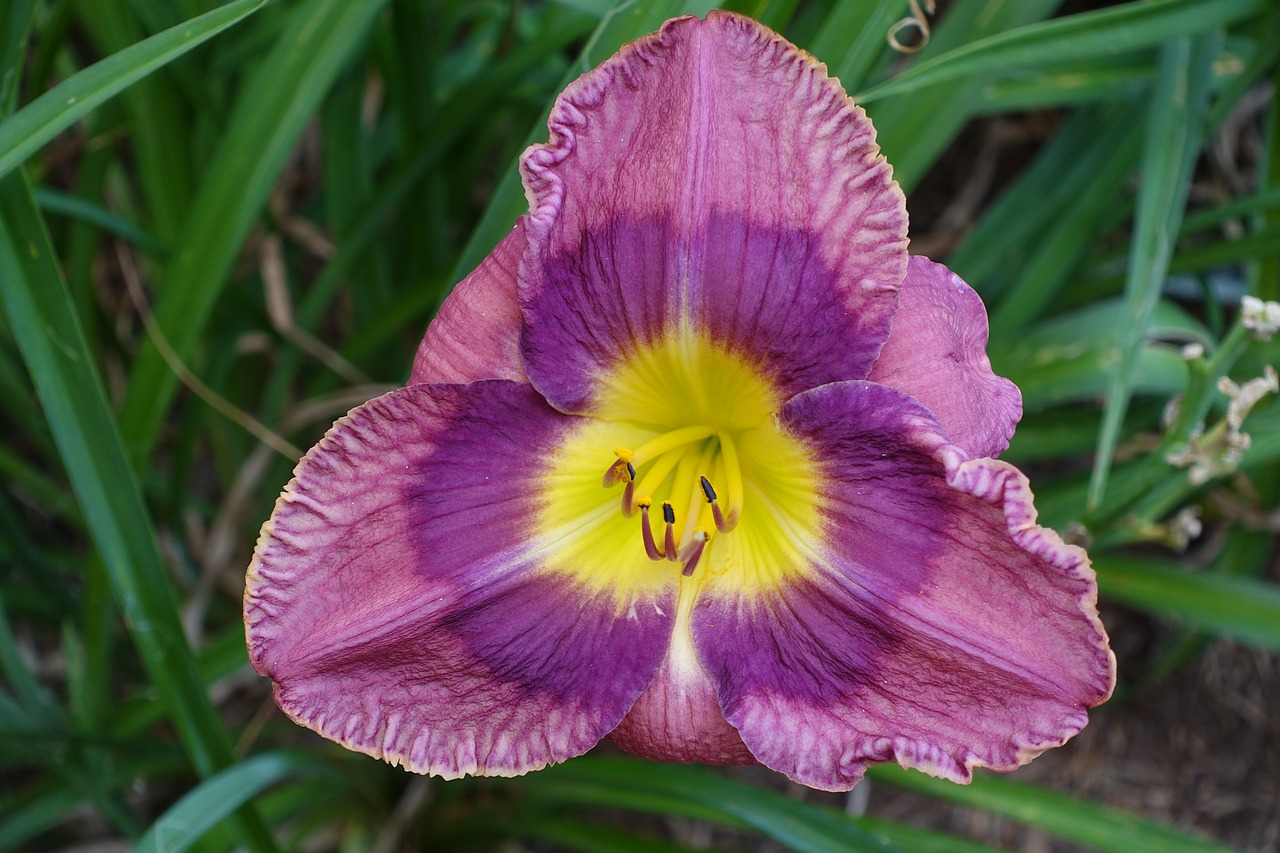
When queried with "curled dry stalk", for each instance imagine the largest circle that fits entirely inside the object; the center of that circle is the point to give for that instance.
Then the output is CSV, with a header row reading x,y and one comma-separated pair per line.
x,y
218,544
918,20
188,378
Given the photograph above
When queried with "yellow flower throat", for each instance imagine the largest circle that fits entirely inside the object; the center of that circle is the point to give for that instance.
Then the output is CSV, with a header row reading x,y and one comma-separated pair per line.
x,y
669,454
708,480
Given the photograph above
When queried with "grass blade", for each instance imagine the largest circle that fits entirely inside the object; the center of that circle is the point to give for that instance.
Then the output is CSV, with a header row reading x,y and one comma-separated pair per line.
x,y
15,26
1098,827
1238,607
673,789
278,102
98,216
913,132
187,820
23,133
1075,38
1173,143
48,332
851,59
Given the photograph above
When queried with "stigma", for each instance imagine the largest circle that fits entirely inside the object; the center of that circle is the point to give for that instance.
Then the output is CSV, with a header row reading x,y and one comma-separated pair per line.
x,y
680,464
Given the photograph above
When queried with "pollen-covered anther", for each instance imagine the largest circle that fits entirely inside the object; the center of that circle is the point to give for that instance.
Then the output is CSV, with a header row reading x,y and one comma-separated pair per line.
x,y
629,493
724,525
692,552
622,470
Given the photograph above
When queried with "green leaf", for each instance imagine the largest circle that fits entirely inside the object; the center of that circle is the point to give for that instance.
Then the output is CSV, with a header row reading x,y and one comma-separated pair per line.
x,y
1070,357
800,827
1055,253
1098,827
23,133
1239,607
570,833
1173,143
47,329
1060,87
1074,39
189,819
278,102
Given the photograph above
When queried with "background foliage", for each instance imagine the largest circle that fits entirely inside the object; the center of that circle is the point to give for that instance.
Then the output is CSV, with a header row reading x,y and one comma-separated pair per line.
x,y
223,225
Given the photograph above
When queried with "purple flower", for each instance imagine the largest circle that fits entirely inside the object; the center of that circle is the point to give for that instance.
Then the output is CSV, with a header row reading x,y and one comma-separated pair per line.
x,y
697,460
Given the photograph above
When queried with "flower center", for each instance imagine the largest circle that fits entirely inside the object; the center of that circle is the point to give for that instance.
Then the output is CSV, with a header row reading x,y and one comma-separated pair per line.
x,y
680,457
697,472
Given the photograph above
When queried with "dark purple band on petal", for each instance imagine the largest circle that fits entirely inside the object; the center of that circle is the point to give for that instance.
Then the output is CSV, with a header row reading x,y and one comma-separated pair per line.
x,y
937,625
937,353
709,175
398,603
476,333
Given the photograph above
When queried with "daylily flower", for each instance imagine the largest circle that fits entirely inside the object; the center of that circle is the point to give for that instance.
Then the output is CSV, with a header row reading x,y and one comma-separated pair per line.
x,y
697,460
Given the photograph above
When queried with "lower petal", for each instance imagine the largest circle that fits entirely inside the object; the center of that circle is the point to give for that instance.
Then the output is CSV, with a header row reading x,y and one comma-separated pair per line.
x,y
678,717
937,353
936,625
400,600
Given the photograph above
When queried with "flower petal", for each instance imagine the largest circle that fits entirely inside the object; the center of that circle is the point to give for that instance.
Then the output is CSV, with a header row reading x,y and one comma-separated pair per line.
x,y
712,176
400,598
476,333
938,626
678,718
937,353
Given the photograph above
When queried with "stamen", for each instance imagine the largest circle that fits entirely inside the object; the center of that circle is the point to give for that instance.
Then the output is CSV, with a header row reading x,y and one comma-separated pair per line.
x,y
646,531
708,491
693,551
716,514
669,539
629,493
621,470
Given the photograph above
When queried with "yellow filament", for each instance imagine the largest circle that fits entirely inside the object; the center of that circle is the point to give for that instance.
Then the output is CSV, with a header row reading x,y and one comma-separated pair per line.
x,y
696,500
669,441
657,473
733,479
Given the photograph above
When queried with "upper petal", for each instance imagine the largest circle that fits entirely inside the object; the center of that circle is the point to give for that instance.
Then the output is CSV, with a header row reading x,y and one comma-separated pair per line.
x,y
935,623
713,176
937,353
476,333
401,599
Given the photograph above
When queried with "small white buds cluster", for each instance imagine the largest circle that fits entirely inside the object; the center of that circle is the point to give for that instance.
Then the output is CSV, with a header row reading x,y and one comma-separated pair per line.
x,y
1218,452
1261,318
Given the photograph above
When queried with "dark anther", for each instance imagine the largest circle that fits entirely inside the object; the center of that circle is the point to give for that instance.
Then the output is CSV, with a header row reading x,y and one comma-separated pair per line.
x,y
708,491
